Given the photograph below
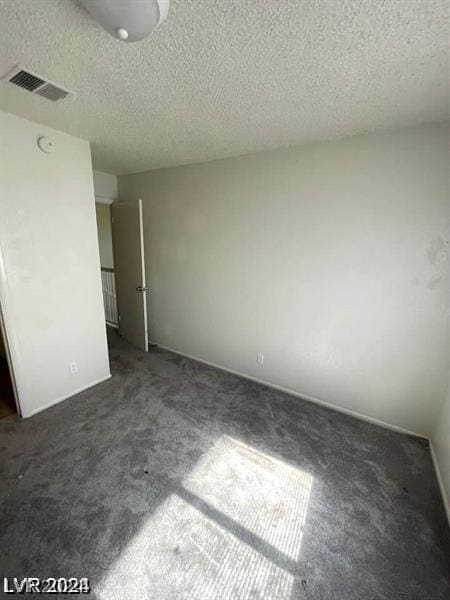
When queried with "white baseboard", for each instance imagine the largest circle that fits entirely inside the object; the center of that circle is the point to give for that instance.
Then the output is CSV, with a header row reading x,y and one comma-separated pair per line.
x,y
445,498
61,398
280,388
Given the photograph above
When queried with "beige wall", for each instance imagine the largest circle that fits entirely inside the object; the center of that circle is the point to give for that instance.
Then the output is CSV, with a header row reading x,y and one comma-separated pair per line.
x,y
50,284
105,186
330,259
103,212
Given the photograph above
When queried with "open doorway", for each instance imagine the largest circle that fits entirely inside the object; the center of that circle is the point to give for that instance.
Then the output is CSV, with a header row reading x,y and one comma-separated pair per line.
x,y
104,231
122,263
7,397
129,260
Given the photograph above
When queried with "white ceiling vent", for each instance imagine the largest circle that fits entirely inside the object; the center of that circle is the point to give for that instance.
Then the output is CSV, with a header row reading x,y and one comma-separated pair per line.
x,y
27,80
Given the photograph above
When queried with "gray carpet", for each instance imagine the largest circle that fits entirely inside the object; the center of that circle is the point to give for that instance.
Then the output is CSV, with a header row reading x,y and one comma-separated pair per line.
x,y
173,480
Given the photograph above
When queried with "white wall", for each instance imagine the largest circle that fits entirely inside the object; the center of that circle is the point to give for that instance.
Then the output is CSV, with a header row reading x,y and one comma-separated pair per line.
x,y
49,264
105,187
441,448
104,232
330,259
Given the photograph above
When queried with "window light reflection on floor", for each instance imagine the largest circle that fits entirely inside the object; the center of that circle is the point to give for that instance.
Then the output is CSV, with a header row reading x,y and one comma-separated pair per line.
x,y
233,529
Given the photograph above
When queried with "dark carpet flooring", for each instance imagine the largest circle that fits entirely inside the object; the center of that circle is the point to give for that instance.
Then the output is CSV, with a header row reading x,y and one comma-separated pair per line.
x,y
173,480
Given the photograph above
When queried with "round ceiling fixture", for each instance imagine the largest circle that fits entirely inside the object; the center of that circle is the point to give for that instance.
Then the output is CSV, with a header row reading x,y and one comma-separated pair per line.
x,y
122,34
128,20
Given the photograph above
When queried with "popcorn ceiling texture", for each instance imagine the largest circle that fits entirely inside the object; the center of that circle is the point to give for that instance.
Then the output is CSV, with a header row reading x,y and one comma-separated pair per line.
x,y
230,77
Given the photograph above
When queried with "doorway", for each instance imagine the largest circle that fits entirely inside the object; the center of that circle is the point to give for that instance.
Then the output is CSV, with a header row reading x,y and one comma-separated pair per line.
x,y
128,242
121,246
104,231
7,396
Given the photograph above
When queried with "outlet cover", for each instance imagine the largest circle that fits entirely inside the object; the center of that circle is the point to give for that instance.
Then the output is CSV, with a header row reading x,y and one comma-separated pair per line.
x,y
73,368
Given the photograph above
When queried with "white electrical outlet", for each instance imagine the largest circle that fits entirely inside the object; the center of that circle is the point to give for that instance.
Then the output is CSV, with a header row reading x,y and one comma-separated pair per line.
x,y
73,368
260,358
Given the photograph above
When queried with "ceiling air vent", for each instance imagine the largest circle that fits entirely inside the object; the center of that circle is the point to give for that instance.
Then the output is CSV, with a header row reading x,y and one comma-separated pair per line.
x,y
35,84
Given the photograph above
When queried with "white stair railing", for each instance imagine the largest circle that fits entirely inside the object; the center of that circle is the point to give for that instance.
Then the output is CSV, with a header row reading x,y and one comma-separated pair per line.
x,y
109,295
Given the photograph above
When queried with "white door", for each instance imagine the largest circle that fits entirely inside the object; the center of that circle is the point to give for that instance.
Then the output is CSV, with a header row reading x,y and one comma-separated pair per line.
x,y
128,244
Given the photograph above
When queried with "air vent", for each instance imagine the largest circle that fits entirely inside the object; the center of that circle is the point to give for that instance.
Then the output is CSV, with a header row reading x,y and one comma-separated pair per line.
x,y
52,92
26,80
35,84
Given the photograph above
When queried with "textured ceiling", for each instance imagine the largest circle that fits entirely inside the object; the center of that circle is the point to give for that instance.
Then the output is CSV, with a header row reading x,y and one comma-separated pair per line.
x,y
228,77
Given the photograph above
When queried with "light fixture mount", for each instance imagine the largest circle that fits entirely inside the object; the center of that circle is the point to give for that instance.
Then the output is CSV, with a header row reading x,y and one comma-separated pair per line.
x,y
128,20
46,144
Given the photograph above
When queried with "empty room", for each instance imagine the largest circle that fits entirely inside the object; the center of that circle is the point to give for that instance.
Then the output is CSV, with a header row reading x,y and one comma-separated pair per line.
x,y
225,299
